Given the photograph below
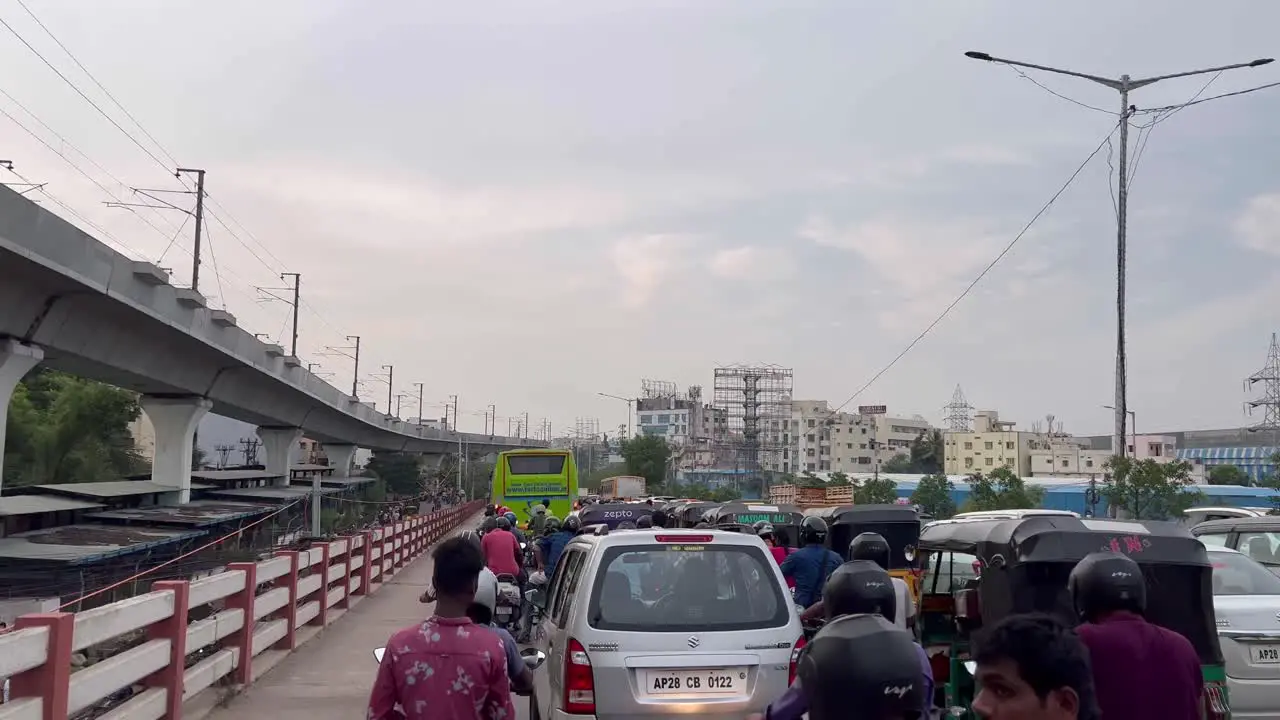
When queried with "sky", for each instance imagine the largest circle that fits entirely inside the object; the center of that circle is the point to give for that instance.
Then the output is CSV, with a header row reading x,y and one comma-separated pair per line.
x,y
525,203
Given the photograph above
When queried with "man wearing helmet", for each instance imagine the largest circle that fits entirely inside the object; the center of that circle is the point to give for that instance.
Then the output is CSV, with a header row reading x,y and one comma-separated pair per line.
x,y
766,533
811,565
872,547
1141,670
501,550
856,588
481,612
551,545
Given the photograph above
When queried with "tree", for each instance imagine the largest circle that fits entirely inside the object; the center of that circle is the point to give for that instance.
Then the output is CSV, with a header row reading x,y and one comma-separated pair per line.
x,y
592,481
876,491
927,453
838,479
1150,490
1227,475
401,472
933,495
65,429
809,480
1001,490
646,456
198,457
900,463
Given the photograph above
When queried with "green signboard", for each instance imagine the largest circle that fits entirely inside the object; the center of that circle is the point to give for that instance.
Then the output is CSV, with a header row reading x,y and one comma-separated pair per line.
x,y
753,518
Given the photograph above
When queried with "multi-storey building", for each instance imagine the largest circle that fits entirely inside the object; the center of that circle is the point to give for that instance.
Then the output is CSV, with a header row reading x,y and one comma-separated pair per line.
x,y
990,444
689,427
822,441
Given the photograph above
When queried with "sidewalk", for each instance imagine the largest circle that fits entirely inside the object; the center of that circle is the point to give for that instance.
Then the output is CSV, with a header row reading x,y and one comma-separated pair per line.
x,y
330,676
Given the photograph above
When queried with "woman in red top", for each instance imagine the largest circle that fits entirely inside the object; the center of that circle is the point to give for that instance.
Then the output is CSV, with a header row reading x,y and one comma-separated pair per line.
x,y
770,538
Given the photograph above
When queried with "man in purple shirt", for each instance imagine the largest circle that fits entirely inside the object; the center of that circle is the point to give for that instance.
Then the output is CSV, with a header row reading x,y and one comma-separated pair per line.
x,y
1141,670
858,587
1033,667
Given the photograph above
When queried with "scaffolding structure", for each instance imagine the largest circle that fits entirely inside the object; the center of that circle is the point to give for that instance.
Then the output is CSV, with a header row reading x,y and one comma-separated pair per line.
x,y
1269,376
652,389
755,402
959,412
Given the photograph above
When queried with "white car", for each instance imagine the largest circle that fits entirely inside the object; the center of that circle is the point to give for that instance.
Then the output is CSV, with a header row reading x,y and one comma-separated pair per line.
x,y
1246,602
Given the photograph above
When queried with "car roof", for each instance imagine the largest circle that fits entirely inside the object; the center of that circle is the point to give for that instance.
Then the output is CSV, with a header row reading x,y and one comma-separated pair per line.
x,y
646,536
1226,524
1220,549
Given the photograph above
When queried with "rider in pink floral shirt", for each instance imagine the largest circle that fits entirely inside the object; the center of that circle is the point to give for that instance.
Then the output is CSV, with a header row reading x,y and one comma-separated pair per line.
x,y
446,668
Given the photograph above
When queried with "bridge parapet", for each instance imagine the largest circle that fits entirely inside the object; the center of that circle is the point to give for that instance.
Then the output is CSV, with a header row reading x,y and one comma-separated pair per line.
x,y
252,616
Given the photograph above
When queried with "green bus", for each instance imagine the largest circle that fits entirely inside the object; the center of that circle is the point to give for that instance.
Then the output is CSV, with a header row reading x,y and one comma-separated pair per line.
x,y
524,478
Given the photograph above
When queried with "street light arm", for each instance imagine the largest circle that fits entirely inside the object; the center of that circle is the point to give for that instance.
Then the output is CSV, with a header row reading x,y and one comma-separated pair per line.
x,y
1113,84
1134,84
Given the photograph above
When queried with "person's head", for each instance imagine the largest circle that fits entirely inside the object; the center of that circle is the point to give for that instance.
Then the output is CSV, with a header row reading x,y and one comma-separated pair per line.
x,y
645,522
546,502
660,518
539,509
458,563
551,525
490,510
870,546
572,524
860,587
1032,667
511,518
1106,582
765,531
503,523
490,523
863,662
813,530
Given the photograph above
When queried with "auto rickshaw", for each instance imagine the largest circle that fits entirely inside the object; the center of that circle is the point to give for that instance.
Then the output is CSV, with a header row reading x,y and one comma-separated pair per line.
x,y
613,514
741,516
899,524
691,513
980,571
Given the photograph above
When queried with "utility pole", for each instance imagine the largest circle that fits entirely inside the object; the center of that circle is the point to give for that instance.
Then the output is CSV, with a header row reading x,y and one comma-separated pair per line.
x,y
391,376
491,426
420,408
297,283
195,254
525,426
355,369
454,400
1124,85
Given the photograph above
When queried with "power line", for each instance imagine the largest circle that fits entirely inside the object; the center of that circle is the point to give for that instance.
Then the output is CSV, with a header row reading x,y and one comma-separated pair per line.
x,y
1145,130
103,231
1057,94
1210,99
1043,209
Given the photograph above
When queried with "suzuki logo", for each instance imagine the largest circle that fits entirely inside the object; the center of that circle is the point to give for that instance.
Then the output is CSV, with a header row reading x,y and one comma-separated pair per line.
x,y
1278,616
694,642
898,690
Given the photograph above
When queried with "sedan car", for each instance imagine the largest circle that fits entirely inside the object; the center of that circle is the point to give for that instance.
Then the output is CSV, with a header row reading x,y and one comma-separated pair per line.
x,y
1246,602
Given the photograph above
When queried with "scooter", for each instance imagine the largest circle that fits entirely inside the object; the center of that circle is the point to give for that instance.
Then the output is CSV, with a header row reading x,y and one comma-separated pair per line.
x,y
507,614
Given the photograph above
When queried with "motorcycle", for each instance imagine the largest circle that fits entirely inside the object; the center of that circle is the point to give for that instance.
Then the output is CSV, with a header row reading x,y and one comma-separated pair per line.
x,y
535,600
507,614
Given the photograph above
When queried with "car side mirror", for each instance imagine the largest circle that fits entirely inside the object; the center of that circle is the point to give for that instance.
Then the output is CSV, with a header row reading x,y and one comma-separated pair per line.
x,y
533,658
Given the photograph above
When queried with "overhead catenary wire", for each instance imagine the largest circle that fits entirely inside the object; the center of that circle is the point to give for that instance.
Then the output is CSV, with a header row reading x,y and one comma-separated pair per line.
x,y
1059,95
965,293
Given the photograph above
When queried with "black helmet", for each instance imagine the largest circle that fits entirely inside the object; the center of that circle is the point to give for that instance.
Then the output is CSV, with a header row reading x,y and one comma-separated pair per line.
x,y
490,510
490,523
644,522
870,546
763,529
813,530
551,525
659,518
864,662
702,526
1105,582
860,587
626,525
572,524
503,523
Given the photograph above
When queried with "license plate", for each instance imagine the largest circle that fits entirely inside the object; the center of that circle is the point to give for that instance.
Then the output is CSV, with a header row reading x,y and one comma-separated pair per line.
x,y
1264,654
704,681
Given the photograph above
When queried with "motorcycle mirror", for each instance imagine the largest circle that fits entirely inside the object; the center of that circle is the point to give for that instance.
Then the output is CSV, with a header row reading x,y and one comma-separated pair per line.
x,y
378,653
972,667
533,658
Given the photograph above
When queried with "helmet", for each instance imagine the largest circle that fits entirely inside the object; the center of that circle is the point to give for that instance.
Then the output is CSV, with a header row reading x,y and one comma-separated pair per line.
x,y
860,587
870,546
644,522
763,529
552,525
1105,582
660,518
503,523
490,510
813,530
487,590
511,517
627,525
861,661
502,510
539,509
703,526
490,523
572,524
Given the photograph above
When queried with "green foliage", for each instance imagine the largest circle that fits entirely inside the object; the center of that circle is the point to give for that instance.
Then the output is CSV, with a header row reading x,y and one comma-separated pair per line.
x,y
1227,475
876,491
65,429
1150,490
198,457
592,481
809,480
401,472
933,495
927,453
900,463
838,479
646,456
698,491
1001,490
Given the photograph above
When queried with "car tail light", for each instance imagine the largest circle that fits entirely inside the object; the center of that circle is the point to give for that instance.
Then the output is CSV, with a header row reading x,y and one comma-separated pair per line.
x,y
795,659
684,538
579,685
1216,704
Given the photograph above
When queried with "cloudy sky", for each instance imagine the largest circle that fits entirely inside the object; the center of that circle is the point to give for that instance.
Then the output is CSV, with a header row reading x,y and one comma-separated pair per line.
x,y
529,202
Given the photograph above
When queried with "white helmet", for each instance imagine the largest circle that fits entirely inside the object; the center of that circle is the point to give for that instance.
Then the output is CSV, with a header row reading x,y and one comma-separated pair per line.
x,y
487,590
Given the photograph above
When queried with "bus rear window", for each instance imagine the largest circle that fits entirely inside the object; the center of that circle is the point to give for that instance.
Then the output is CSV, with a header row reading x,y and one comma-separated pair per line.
x,y
535,464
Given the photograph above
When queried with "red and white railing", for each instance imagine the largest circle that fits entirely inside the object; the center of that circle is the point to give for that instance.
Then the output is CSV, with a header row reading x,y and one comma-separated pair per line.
x,y
268,609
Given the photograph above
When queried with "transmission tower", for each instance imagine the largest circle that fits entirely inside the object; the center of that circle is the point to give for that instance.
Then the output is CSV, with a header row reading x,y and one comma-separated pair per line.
x,y
1269,376
249,449
224,453
959,412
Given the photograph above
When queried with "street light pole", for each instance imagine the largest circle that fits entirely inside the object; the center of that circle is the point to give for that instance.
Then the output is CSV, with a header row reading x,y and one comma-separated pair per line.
x,y
420,410
492,425
355,367
391,376
1124,84
630,412
1133,420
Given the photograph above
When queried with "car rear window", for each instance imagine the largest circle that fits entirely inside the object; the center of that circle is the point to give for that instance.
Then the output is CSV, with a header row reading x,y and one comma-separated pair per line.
x,y
683,588
1235,574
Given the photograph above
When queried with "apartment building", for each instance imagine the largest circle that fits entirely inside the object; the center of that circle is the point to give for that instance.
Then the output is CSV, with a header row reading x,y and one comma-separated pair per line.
x,y
689,426
821,441
990,444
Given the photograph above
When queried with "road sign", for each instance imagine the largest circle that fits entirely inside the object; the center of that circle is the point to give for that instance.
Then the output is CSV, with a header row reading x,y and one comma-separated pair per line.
x,y
872,409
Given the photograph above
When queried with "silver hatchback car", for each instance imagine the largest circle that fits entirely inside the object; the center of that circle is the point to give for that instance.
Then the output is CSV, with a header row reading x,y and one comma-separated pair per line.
x,y
642,623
